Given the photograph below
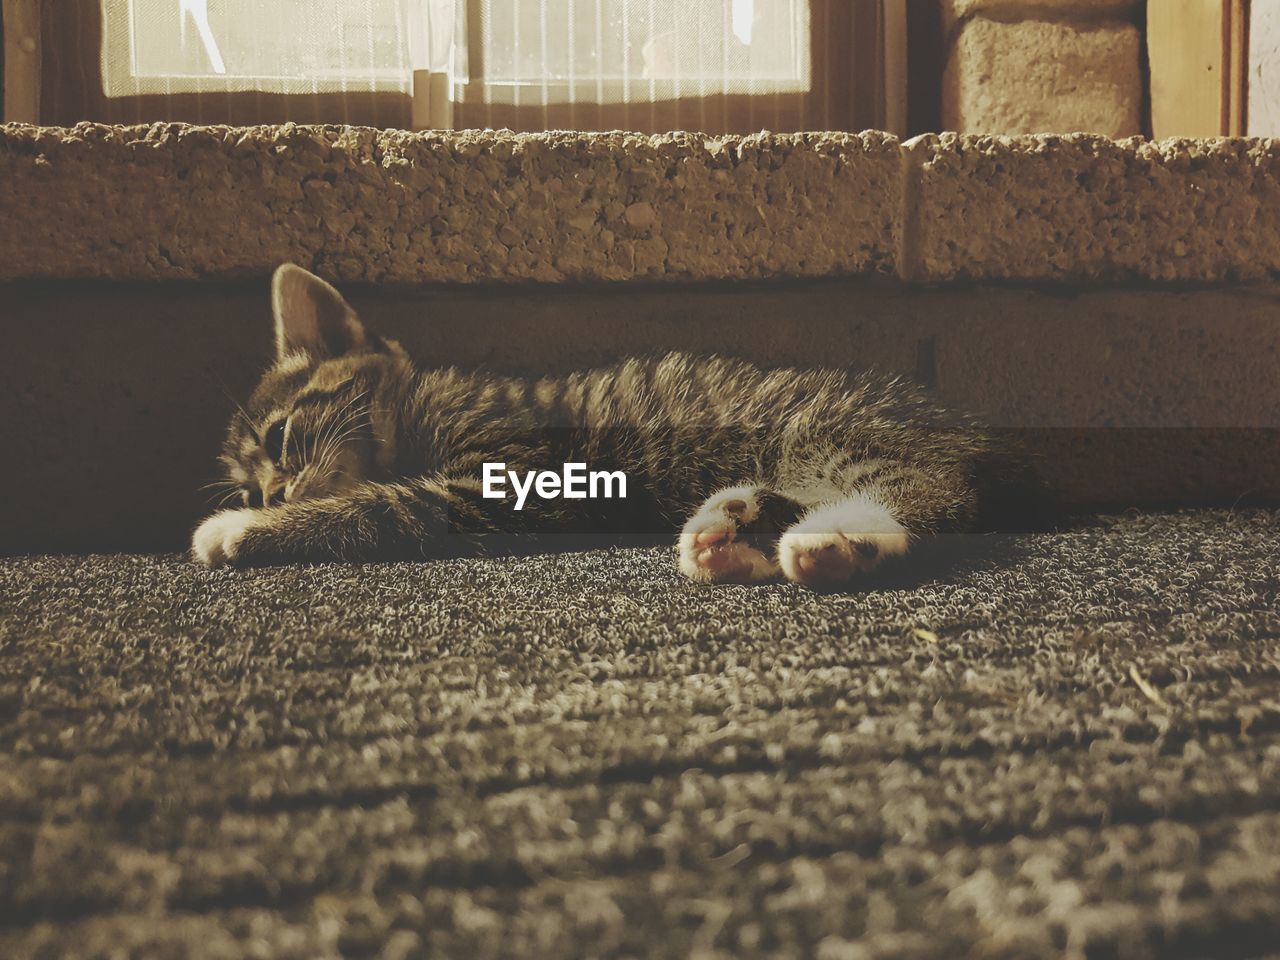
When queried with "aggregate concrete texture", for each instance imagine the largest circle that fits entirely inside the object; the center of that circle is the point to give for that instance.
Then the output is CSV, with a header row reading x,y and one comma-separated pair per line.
x,y
1044,77
357,204
1043,66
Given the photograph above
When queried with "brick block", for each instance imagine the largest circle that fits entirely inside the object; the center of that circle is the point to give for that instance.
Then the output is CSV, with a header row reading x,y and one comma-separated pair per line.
x,y
1043,77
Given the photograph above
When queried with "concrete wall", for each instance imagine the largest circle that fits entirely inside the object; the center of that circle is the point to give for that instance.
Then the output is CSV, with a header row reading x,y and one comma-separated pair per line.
x,y
115,395
1043,66
170,202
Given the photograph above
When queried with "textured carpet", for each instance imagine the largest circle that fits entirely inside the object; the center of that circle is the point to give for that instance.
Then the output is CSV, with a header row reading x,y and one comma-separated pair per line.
x,y
1060,744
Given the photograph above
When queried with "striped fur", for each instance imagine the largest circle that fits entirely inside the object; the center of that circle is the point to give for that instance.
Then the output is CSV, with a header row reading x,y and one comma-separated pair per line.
x,y
347,451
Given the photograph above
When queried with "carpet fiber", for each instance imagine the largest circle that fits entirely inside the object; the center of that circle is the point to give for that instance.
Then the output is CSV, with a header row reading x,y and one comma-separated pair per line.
x,y
1061,743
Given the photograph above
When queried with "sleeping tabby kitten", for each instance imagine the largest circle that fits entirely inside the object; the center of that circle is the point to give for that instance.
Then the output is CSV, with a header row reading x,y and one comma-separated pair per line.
x,y
347,451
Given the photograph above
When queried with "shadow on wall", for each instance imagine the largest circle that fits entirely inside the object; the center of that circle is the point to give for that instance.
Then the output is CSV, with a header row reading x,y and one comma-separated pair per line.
x,y
118,394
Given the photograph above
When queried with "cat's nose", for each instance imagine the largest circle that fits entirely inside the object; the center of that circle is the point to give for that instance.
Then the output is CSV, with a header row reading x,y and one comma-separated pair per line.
x,y
272,497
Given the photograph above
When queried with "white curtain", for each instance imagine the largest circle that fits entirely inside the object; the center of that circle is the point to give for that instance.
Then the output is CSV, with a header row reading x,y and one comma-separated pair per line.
x,y
645,65
281,46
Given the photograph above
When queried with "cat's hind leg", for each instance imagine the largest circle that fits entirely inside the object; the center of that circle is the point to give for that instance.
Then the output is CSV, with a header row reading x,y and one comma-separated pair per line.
x,y
733,536
835,542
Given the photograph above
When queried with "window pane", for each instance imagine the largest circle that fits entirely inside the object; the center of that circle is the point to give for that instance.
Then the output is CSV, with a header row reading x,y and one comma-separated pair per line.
x,y
251,44
622,49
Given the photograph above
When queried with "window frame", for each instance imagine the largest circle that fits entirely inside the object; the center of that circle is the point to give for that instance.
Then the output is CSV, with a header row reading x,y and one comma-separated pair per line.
x,y
855,98
22,49
847,92
1198,67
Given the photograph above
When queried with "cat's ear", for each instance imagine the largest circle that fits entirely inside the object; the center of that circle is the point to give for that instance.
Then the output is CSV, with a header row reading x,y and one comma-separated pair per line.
x,y
311,317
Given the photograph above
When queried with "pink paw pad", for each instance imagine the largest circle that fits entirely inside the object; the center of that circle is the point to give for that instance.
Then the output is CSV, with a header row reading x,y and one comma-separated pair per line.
x,y
714,537
714,546
831,562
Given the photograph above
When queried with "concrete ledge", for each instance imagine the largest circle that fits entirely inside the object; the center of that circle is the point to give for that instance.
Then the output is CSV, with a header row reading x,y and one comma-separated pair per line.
x,y
1079,207
359,204
355,204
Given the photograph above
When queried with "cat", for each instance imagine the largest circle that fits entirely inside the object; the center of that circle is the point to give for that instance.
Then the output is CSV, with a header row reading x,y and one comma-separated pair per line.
x,y
347,451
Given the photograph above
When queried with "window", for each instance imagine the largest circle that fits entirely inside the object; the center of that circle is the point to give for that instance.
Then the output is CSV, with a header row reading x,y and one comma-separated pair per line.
x,y
165,46
645,65
616,50
636,64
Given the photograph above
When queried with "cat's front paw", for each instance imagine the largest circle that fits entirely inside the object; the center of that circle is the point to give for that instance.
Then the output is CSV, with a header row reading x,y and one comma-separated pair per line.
x,y
218,539
714,546
834,544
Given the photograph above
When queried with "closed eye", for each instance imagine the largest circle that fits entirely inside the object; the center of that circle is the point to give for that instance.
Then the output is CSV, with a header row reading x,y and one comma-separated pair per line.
x,y
273,440
295,442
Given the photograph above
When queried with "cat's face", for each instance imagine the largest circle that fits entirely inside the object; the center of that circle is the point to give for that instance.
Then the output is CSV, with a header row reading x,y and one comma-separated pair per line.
x,y
314,426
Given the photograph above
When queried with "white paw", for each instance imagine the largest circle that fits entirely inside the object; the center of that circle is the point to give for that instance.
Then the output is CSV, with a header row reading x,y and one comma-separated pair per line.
x,y
708,550
217,540
836,542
